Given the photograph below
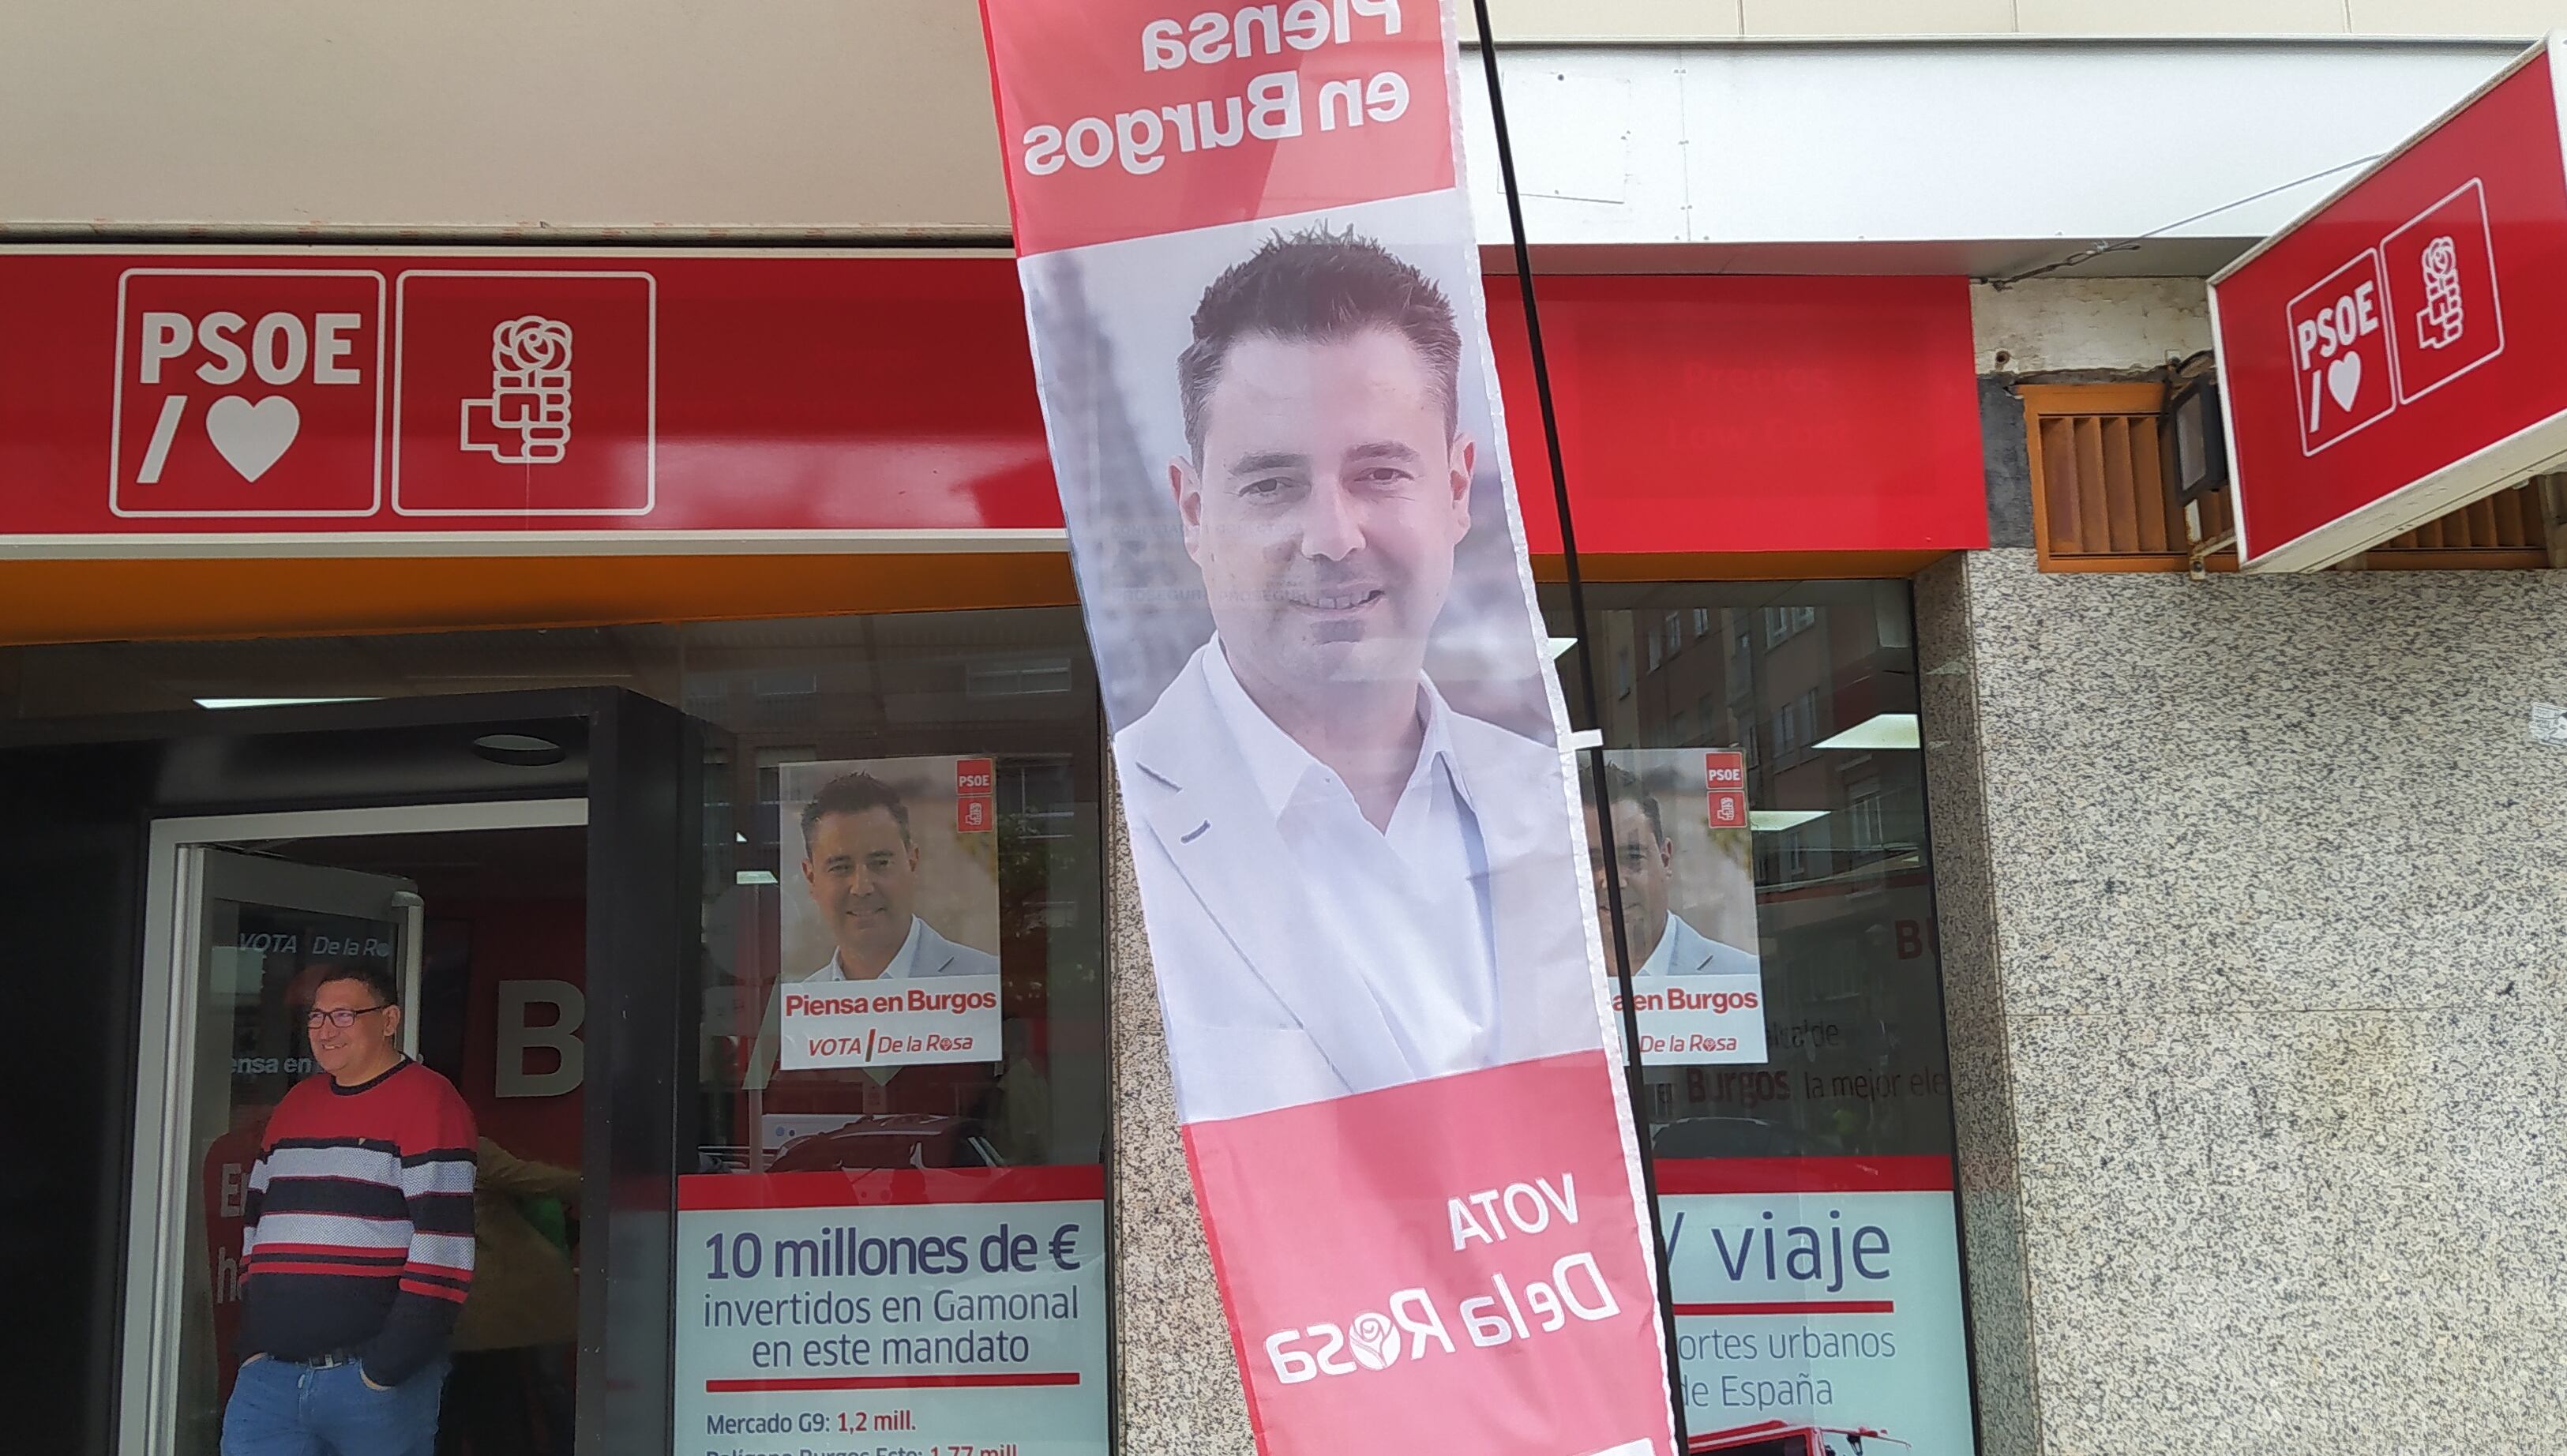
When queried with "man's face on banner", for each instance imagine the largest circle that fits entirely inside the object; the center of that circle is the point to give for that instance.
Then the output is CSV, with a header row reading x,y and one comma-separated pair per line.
x,y
1646,867
1325,508
862,873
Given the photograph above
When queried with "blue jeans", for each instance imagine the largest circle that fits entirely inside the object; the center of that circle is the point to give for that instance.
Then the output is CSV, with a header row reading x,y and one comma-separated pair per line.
x,y
284,1409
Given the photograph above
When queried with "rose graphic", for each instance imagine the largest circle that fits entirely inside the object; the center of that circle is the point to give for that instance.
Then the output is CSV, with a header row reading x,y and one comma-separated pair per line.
x,y
526,419
529,344
1374,1341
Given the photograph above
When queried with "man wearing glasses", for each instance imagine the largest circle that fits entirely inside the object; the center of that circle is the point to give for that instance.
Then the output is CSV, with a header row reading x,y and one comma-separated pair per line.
x,y
358,1248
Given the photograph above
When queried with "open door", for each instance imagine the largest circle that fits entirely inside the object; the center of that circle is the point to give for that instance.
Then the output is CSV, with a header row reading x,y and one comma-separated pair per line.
x,y
190,874
255,934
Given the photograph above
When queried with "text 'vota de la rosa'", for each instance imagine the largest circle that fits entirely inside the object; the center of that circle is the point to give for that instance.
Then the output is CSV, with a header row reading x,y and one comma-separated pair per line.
x,y
1274,105
1535,1296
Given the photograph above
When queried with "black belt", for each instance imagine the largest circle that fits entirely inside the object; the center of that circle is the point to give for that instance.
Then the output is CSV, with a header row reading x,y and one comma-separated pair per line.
x,y
323,1362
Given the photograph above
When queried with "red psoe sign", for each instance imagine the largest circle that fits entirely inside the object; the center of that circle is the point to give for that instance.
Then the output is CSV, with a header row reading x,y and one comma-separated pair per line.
x,y
1725,782
2383,359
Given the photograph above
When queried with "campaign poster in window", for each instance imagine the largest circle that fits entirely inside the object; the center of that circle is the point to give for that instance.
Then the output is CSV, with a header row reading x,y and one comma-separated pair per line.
x,y
888,917
1685,867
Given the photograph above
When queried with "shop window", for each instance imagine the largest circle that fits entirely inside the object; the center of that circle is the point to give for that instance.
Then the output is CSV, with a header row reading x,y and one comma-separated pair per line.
x,y
2101,501
928,824
811,1178
1822,900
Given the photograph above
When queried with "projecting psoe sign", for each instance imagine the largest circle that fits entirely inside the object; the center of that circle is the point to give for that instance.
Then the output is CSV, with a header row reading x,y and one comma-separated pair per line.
x,y
2384,357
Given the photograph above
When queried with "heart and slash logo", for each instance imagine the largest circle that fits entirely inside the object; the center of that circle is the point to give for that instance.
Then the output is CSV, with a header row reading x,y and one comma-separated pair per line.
x,y
249,392
2336,331
251,438
2344,379
2398,320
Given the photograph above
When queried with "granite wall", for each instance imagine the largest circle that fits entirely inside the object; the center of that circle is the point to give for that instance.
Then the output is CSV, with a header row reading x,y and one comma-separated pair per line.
x,y
1178,1391
2254,899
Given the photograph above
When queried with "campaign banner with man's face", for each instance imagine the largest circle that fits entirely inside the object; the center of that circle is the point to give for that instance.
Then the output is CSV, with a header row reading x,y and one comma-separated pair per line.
x,y
889,927
1255,302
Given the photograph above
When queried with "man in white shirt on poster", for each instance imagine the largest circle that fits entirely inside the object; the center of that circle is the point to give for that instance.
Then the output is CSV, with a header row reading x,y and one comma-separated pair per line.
x,y
1655,936
860,868
1350,885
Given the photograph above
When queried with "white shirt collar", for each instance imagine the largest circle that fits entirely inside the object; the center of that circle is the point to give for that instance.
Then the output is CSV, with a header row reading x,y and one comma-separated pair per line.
x,y
904,962
1279,764
1656,964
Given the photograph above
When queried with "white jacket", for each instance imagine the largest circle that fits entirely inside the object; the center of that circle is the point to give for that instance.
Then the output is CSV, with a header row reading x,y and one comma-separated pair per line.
x,y
1255,1020
1685,951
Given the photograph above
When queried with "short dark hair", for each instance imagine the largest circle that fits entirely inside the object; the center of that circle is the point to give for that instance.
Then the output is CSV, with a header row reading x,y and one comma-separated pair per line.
x,y
854,794
1622,784
1318,286
378,978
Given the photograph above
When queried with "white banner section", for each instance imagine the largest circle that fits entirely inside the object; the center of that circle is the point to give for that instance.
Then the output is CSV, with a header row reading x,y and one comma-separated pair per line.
x,y
893,1023
938,1328
1699,1018
1822,1306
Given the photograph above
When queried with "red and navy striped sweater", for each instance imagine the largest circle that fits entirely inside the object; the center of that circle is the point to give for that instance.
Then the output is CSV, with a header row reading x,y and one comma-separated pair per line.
x,y
360,1222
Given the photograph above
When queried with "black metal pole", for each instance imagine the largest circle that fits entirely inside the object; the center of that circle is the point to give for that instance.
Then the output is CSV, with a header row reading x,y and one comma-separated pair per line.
x,y
1634,1086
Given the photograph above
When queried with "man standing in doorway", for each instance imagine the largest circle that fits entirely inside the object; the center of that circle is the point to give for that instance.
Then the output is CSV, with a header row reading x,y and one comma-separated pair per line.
x,y
357,1249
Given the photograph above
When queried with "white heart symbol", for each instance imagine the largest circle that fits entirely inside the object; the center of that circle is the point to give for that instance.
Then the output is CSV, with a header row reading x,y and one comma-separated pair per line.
x,y
253,436
2344,379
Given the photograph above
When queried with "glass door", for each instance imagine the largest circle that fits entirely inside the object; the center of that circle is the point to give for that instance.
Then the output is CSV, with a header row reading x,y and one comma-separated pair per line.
x,y
262,934
245,916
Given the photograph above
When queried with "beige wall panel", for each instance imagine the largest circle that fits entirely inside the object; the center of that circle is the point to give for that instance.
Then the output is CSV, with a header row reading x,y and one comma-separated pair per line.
x,y
2089,323
2523,18
1878,17
2180,17
784,113
1603,20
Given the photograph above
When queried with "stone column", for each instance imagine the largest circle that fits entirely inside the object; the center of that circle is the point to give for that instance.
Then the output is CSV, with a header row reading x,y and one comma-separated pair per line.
x,y
1179,1392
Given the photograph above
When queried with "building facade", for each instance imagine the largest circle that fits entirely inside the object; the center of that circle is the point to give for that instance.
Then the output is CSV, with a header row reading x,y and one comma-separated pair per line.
x,y
2192,935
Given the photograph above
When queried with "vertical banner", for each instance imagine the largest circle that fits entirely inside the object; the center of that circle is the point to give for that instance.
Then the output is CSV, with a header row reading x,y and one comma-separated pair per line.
x,y
1255,302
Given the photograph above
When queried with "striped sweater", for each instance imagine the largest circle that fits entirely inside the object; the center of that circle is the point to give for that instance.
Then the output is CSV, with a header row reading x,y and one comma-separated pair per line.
x,y
360,1222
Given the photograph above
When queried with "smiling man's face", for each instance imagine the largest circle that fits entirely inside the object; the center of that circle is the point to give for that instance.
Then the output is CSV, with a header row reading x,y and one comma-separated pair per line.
x,y
349,1052
1325,510
863,877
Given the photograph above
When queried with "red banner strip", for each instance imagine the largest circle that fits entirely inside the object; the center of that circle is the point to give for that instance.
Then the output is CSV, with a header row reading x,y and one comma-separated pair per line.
x,y
1790,1307
884,1187
891,1382
1925,1173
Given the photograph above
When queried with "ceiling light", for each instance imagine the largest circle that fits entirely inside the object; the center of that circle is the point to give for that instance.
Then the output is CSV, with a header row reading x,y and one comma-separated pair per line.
x,y
1584,738
754,877
519,751
274,702
1766,821
1882,730
1559,646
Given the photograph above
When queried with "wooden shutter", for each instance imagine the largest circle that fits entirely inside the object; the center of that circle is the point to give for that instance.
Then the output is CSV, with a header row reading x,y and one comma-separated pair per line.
x,y
2101,501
